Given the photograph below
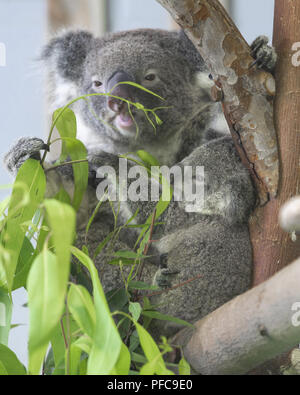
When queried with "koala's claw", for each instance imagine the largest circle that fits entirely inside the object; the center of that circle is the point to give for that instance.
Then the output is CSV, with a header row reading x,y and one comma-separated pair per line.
x,y
265,55
162,276
163,258
25,148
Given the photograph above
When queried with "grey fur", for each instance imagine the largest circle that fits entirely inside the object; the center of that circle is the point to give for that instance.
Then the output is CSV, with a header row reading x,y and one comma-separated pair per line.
x,y
213,243
265,55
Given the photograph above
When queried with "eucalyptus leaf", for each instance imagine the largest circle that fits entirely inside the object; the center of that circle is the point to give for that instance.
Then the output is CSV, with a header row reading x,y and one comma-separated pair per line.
x,y
77,152
135,309
9,363
106,340
151,351
24,264
123,363
59,213
32,176
5,316
183,367
46,304
67,127
159,316
82,308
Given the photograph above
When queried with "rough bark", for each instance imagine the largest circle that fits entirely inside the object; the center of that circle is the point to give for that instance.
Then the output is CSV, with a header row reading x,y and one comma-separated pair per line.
x,y
273,248
247,90
248,330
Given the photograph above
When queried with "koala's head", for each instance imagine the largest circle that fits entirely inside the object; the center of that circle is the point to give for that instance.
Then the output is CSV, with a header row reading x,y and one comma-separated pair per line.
x,y
165,63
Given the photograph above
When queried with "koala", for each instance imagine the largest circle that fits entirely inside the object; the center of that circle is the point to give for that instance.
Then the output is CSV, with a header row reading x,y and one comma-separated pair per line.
x,y
201,259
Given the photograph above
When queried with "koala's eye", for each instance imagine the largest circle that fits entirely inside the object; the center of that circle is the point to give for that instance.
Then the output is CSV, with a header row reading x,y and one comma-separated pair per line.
x,y
97,84
150,77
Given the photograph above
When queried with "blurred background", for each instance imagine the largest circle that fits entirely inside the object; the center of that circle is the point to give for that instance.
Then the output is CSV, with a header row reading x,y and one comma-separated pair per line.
x,y
26,25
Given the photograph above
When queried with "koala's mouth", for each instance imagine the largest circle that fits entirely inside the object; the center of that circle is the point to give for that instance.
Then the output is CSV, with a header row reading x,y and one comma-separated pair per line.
x,y
124,120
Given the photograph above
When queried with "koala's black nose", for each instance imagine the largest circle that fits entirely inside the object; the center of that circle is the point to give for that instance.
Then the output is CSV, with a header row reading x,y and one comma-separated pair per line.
x,y
121,90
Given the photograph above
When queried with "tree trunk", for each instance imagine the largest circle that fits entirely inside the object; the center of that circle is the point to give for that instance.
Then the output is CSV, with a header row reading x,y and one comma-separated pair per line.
x,y
273,248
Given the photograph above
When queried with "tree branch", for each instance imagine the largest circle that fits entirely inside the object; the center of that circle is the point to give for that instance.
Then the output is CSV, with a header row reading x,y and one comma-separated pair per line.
x,y
249,330
247,90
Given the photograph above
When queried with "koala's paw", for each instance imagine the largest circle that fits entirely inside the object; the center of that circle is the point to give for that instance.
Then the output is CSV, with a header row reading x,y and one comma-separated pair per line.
x,y
25,148
265,56
163,276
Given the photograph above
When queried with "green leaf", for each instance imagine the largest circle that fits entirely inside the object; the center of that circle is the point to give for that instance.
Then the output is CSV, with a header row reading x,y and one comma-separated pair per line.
x,y
57,339
82,308
74,358
123,261
9,362
77,151
149,368
60,213
138,358
24,264
150,348
106,340
3,205
32,177
151,351
5,258
65,122
159,316
46,304
183,367
134,341
142,286
123,363
63,196
117,299
5,317
60,369
3,371
135,310
67,127
147,158
83,367
84,343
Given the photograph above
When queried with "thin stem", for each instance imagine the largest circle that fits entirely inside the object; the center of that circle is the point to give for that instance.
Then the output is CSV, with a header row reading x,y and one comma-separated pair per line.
x,y
65,163
63,333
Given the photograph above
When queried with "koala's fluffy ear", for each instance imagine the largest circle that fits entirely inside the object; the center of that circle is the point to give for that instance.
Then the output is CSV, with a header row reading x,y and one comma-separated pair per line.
x,y
66,54
189,51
